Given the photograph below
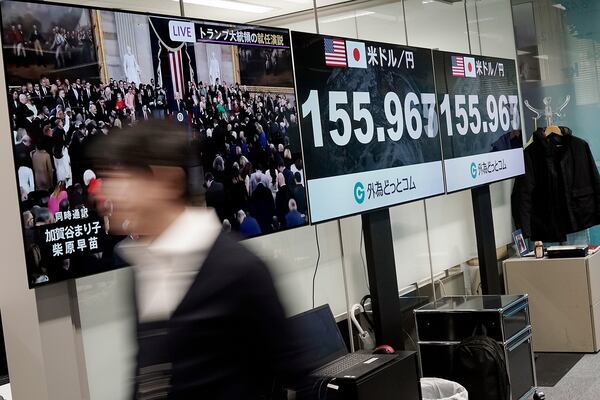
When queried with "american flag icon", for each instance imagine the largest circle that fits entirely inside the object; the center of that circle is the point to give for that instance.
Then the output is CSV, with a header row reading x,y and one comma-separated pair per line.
x,y
335,53
458,66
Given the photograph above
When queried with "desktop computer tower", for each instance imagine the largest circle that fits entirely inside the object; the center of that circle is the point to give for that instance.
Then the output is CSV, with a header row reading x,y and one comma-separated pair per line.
x,y
399,379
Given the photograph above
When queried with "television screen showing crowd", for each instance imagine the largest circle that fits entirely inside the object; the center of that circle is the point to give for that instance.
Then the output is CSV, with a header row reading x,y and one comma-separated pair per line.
x,y
242,162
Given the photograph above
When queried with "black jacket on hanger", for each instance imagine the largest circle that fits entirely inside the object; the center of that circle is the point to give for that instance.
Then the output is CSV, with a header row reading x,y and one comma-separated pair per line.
x,y
560,191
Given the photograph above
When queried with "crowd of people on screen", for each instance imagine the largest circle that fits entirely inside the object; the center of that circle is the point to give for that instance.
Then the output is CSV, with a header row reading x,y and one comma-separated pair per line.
x,y
239,140
61,46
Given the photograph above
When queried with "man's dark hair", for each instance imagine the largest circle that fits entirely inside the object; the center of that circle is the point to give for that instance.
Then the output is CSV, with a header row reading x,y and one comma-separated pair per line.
x,y
148,143
22,159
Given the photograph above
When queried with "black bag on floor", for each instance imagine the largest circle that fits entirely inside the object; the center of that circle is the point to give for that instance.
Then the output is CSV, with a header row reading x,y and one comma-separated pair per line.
x,y
480,366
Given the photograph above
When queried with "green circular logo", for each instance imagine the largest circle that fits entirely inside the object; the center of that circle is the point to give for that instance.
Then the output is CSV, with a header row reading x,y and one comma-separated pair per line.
x,y
473,170
359,193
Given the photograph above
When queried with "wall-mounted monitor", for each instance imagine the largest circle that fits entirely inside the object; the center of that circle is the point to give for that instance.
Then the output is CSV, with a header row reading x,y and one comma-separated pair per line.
x,y
76,73
369,125
480,120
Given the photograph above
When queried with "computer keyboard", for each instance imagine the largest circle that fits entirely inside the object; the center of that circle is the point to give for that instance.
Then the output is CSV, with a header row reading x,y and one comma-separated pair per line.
x,y
343,364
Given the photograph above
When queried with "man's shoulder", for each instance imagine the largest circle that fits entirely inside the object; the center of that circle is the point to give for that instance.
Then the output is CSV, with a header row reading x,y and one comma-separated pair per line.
x,y
232,255
229,243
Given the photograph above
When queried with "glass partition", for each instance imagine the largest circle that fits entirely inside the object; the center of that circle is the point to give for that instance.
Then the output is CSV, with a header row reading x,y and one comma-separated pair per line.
x,y
437,25
557,45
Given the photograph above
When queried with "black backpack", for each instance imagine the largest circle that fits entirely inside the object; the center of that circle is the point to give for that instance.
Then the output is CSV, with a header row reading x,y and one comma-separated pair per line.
x,y
480,366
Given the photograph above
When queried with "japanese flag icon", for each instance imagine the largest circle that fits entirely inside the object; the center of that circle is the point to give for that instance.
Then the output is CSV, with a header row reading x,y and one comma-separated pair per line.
x,y
470,71
357,54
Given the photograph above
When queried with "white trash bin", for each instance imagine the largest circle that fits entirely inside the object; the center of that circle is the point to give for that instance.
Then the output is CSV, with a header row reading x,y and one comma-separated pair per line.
x,y
441,389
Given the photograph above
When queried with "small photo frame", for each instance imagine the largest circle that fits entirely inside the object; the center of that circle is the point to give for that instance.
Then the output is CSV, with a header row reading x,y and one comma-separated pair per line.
x,y
520,242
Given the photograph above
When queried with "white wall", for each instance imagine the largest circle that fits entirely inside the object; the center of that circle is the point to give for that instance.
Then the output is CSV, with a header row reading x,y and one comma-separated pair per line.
x,y
108,333
292,256
383,23
436,25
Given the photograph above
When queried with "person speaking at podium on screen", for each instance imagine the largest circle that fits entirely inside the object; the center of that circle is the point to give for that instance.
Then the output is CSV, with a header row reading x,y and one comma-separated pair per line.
x,y
210,323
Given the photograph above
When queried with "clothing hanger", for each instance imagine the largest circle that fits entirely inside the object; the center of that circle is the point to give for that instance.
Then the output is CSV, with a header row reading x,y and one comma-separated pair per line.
x,y
552,129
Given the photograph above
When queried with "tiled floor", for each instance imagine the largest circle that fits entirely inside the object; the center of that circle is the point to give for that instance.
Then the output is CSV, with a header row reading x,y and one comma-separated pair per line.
x,y
582,382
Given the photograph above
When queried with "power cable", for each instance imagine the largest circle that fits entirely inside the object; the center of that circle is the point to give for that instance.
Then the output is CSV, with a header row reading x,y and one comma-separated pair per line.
x,y
362,238
316,266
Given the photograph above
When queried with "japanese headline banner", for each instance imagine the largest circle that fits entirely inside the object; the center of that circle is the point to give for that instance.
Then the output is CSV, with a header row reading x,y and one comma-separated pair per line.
x,y
242,35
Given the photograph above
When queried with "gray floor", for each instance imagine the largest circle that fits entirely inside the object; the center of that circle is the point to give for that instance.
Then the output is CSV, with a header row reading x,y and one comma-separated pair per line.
x,y
582,382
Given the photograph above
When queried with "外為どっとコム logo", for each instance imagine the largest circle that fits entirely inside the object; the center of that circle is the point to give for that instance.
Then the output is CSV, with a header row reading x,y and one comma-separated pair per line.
x,y
473,170
359,192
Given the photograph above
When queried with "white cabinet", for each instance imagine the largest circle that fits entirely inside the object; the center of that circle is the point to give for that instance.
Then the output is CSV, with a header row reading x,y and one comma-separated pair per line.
x,y
564,300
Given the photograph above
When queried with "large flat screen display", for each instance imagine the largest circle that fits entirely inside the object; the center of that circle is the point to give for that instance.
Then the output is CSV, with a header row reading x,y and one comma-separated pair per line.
x,y
369,124
480,120
76,73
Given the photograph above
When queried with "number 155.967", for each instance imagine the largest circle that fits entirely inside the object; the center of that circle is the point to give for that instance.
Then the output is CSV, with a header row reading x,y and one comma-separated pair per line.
x,y
409,115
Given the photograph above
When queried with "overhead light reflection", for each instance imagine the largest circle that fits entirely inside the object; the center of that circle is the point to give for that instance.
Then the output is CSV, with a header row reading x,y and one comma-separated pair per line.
x,y
347,16
230,5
